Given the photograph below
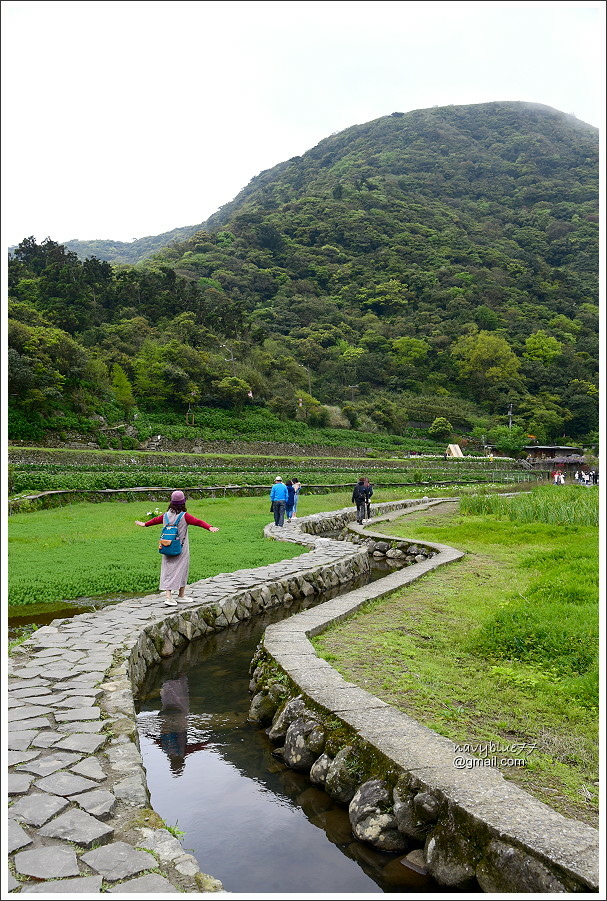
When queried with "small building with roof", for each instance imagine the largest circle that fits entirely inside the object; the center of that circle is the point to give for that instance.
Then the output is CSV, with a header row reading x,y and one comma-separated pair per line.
x,y
554,455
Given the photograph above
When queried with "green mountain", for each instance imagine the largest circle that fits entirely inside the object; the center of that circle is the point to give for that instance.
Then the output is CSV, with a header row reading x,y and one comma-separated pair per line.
x,y
442,262
129,251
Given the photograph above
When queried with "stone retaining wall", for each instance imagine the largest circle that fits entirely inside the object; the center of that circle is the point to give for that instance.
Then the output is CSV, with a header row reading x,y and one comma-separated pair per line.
x,y
405,785
80,809
188,446
59,497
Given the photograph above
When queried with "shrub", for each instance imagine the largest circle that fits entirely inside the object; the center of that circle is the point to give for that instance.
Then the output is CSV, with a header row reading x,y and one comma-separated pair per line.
x,y
337,419
25,428
319,417
440,428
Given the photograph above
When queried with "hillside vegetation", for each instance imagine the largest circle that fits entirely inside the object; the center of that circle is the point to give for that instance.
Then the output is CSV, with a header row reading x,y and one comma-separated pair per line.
x,y
436,264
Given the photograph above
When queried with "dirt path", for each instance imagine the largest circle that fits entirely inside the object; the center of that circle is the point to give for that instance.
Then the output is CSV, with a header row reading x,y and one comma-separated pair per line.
x,y
435,516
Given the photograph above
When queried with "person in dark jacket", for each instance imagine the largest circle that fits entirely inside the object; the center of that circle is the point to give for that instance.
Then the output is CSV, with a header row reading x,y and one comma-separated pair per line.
x,y
369,493
359,497
290,503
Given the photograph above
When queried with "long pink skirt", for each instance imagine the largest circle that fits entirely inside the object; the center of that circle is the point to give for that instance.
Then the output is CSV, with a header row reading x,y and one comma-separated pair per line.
x,y
174,570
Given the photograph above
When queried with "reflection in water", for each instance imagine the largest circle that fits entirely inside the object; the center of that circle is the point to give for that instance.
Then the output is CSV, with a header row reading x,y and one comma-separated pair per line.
x,y
173,723
252,822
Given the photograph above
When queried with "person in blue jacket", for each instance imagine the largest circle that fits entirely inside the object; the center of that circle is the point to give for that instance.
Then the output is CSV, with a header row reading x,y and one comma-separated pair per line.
x,y
279,496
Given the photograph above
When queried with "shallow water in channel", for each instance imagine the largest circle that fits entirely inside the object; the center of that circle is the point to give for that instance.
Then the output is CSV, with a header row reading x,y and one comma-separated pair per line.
x,y
251,822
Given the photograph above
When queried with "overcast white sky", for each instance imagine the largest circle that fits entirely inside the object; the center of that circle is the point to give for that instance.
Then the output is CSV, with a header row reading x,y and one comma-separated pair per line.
x,y
127,119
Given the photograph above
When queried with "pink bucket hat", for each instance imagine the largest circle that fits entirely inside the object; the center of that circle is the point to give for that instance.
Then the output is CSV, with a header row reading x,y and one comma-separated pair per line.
x,y
178,497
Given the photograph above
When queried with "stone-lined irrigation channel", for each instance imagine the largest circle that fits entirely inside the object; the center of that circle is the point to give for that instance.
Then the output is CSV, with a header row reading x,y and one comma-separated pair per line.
x,y
80,819
216,774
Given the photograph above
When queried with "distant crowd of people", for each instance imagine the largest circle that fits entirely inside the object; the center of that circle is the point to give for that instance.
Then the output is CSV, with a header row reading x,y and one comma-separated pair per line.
x,y
582,477
587,477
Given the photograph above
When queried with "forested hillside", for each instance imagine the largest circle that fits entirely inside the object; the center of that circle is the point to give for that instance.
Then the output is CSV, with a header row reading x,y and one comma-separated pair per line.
x,y
442,262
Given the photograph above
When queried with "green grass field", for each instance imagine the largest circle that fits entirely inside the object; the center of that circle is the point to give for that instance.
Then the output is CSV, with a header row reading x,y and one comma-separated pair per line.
x,y
501,646
96,550
88,550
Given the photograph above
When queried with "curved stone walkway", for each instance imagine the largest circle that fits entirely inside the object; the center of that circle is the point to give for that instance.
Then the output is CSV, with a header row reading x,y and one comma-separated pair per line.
x,y
79,819
482,827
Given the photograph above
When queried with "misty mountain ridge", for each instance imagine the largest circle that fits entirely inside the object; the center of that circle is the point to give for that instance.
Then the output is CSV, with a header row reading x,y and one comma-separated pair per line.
x,y
129,251
143,248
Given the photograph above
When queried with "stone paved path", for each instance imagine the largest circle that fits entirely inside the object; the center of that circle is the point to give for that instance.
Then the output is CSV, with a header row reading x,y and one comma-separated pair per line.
x,y
75,775
79,805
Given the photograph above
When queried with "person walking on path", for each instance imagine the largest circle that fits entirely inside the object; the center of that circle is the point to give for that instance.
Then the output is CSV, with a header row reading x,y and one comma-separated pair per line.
x,y
278,497
174,569
359,497
290,503
296,489
369,493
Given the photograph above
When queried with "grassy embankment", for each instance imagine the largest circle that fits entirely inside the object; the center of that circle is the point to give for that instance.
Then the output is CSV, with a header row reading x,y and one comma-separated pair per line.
x,y
501,646
216,426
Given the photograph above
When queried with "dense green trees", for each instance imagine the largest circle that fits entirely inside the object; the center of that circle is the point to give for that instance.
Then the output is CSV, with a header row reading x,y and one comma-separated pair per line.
x,y
437,264
510,441
486,363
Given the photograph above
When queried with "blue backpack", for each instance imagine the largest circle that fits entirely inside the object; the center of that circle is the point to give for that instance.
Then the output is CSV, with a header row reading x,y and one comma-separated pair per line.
x,y
169,537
